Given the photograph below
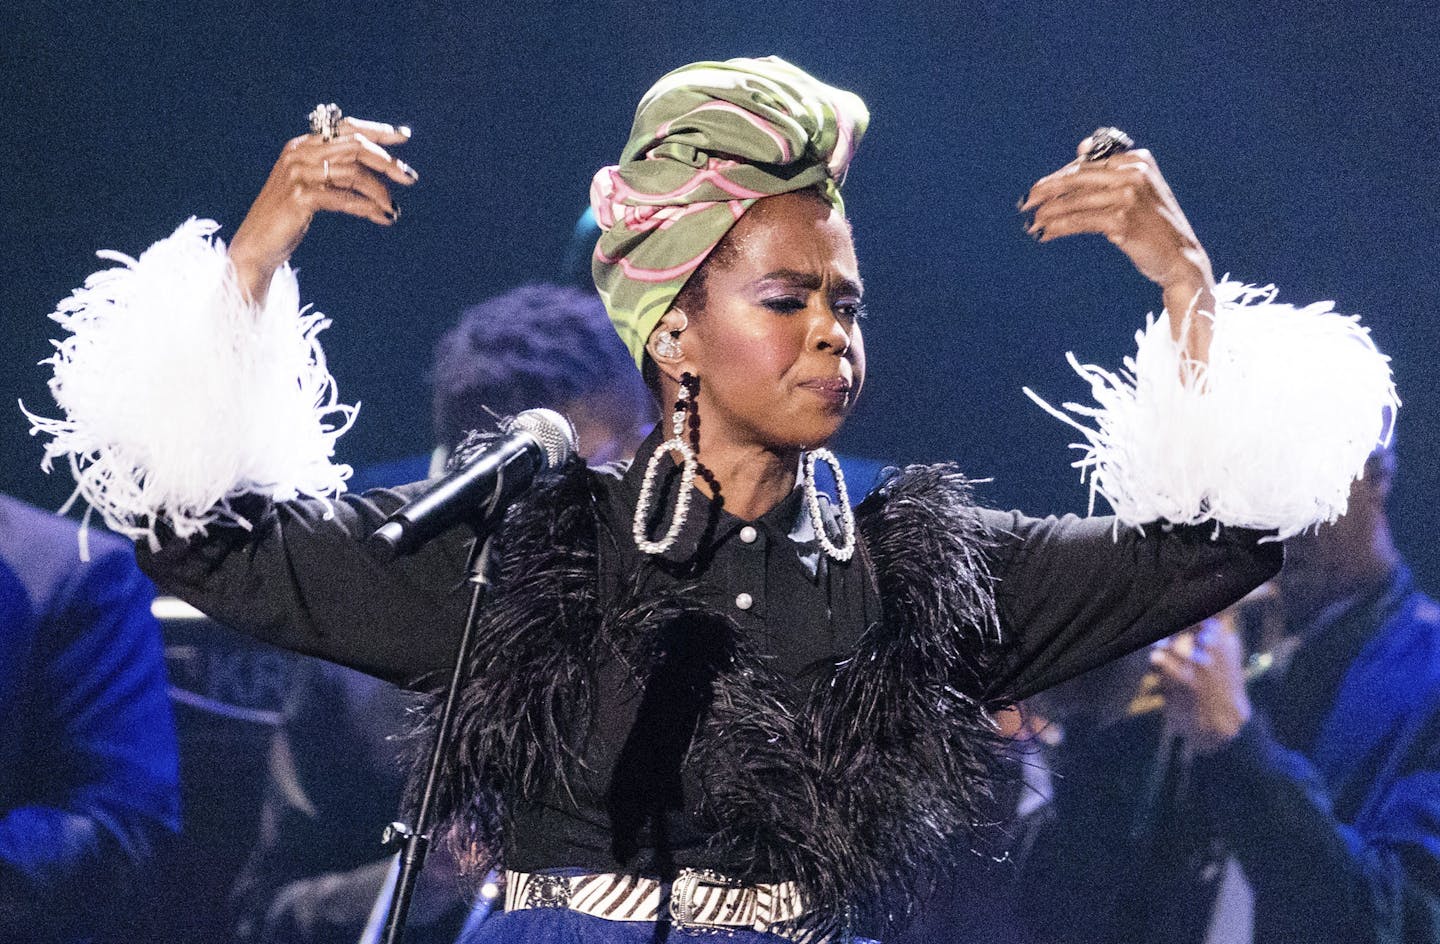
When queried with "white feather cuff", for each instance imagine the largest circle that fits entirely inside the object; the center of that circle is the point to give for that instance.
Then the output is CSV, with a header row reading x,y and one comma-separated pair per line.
x,y
1269,435
179,395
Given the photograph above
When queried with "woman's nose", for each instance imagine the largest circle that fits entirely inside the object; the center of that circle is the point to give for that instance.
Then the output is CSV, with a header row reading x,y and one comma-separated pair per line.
x,y
831,333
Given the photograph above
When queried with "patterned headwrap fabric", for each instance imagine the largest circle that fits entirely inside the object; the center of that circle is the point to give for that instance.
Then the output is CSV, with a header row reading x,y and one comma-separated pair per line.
x,y
709,140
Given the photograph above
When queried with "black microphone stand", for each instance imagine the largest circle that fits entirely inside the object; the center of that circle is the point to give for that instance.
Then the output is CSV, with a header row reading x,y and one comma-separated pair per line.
x,y
414,841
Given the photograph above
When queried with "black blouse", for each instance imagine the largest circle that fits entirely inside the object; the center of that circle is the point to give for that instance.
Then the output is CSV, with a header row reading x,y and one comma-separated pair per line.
x,y
1071,594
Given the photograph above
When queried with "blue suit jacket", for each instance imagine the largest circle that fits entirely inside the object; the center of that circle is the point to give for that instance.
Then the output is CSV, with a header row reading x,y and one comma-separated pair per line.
x,y
1337,826
88,769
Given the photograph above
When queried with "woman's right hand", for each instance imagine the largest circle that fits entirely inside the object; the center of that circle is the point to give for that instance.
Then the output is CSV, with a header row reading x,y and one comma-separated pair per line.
x,y
347,174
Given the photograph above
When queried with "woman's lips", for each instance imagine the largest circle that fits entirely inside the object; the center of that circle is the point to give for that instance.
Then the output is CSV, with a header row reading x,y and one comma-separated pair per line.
x,y
835,390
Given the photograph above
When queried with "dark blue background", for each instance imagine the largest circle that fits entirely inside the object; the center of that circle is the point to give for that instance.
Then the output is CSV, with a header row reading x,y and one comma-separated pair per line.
x,y
1300,137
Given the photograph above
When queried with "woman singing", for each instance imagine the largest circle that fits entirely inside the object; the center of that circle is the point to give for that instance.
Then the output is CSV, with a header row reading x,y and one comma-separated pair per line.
x,y
703,698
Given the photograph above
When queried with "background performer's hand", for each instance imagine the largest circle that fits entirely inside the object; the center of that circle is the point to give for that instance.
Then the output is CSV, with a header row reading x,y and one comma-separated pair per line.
x,y
1202,676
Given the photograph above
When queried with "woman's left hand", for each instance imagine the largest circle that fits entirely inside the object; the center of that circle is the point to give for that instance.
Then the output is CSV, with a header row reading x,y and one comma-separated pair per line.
x,y
1126,199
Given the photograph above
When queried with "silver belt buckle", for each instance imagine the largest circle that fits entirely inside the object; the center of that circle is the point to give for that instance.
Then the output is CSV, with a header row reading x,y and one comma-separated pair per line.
x,y
684,909
547,891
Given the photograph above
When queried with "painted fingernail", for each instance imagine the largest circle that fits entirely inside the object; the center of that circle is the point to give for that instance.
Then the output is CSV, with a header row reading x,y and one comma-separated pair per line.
x,y
1038,233
1024,198
403,130
407,170
393,213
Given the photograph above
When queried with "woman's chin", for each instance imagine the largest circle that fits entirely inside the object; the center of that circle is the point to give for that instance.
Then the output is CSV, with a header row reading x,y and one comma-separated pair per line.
x,y
820,432
799,429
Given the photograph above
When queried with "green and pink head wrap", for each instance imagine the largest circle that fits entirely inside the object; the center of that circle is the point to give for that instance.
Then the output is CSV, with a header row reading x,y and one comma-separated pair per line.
x,y
709,140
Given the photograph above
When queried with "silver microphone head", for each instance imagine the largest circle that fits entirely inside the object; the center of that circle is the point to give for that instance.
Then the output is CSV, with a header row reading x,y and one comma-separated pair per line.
x,y
552,431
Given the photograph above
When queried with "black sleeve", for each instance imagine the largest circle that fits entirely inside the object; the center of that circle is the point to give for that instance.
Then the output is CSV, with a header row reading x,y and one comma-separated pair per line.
x,y
1074,593
102,782
1331,880
302,578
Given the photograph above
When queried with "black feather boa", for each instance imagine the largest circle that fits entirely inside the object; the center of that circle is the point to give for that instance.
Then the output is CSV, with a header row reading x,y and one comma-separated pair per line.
x,y
856,789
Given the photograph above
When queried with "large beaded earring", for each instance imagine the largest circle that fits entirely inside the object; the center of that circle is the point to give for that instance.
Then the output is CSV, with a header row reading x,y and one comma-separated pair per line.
x,y
846,549
679,444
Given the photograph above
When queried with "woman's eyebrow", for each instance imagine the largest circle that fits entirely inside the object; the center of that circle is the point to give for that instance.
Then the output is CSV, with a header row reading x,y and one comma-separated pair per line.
x,y
812,281
807,280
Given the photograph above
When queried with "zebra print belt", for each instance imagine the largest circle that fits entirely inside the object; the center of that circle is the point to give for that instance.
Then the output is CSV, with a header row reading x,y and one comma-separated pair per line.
x,y
698,900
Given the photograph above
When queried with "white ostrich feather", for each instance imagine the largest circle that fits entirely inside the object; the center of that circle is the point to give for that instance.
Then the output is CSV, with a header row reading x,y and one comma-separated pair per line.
x,y
179,395
1269,434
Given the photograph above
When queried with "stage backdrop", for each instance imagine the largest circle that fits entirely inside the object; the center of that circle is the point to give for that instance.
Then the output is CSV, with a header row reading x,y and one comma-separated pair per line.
x,y
1301,138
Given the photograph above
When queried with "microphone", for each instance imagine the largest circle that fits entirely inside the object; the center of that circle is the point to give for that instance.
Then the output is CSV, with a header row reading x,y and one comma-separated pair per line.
x,y
496,474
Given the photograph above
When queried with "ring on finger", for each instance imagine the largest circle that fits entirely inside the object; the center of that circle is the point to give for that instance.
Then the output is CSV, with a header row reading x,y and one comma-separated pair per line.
x,y
1107,142
325,121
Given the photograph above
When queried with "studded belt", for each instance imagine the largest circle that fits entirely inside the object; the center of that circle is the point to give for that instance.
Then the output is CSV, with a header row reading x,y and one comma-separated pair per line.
x,y
699,900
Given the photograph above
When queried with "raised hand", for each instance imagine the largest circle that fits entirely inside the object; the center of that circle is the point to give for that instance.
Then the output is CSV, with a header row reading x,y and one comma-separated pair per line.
x,y
351,173
1125,198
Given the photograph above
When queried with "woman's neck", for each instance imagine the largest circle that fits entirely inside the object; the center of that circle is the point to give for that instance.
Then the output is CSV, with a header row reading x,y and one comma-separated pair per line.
x,y
748,480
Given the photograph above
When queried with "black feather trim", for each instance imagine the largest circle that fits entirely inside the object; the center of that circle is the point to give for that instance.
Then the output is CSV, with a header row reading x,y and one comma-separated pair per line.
x,y
857,788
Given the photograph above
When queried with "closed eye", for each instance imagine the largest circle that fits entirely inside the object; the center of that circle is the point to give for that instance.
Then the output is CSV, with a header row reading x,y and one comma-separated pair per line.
x,y
785,304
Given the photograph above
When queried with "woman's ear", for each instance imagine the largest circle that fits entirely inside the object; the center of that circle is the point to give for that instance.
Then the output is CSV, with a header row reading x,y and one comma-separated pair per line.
x,y
665,346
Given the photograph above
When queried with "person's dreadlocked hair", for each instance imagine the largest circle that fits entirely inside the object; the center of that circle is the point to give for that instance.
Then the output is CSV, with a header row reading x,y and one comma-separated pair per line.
x,y
538,345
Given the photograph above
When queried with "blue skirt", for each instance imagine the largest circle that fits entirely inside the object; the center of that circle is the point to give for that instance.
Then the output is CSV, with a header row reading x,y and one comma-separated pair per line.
x,y
559,926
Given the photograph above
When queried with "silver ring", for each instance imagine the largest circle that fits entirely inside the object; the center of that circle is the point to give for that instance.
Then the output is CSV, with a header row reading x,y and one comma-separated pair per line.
x,y
325,121
1107,142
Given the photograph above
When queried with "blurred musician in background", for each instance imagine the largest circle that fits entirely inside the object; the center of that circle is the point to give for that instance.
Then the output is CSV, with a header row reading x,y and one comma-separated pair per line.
x,y
1293,795
89,785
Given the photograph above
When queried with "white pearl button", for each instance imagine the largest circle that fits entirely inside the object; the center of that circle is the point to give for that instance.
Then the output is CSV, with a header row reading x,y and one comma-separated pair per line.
x,y
748,534
744,601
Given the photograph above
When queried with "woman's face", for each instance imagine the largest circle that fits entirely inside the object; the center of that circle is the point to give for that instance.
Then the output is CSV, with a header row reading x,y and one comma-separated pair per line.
x,y
777,348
